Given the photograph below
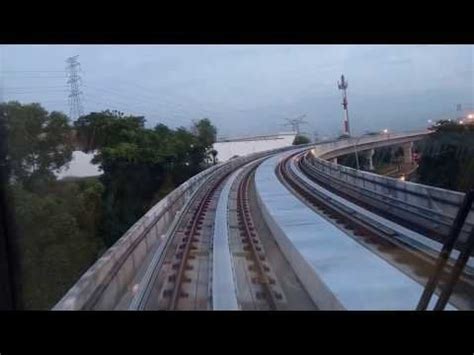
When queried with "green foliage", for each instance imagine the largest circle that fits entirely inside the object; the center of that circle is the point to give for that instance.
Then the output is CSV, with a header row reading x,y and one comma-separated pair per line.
x,y
39,143
106,128
64,226
214,153
205,132
452,126
57,237
383,156
54,230
447,157
301,140
140,164
350,160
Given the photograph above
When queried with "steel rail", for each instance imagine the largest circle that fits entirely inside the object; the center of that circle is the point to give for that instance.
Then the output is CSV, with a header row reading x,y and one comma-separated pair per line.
x,y
374,197
363,225
193,231
251,236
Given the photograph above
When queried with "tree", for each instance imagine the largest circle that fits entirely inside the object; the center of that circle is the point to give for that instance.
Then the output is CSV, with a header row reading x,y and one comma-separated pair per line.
x,y
140,164
55,221
205,132
63,226
214,156
447,157
398,157
39,142
106,128
58,237
299,139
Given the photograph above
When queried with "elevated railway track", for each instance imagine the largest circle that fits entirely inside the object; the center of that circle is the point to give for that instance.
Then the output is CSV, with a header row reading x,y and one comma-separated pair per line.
x,y
221,241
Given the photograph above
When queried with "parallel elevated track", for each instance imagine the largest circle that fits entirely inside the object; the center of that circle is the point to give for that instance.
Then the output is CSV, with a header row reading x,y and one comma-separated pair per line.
x,y
416,262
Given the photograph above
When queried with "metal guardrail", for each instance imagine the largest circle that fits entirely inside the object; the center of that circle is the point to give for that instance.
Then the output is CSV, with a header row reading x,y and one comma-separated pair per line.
x,y
444,256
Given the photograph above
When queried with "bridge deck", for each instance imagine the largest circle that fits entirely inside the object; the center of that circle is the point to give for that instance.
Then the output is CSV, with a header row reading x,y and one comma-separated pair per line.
x,y
338,272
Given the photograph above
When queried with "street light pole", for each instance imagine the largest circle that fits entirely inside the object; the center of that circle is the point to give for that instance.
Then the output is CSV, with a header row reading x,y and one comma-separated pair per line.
x,y
356,153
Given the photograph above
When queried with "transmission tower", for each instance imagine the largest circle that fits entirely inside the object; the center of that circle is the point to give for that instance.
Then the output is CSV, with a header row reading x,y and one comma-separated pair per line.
x,y
73,69
342,85
295,123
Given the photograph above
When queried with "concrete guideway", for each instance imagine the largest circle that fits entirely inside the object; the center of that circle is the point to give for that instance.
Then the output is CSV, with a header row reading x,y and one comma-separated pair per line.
x,y
338,272
112,280
228,262
223,286
405,235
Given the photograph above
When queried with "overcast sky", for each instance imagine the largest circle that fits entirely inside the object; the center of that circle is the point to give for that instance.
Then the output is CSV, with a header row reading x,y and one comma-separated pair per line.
x,y
250,89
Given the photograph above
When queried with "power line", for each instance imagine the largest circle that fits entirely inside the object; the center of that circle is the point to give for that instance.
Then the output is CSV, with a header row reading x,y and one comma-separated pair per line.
x,y
31,71
121,107
149,98
107,102
146,95
295,123
163,95
35,87
35,77
121,95
35,91
106,106
143,103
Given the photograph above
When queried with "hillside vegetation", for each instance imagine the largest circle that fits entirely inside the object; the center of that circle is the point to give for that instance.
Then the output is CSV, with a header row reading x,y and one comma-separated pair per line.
x,y
447,157
60,227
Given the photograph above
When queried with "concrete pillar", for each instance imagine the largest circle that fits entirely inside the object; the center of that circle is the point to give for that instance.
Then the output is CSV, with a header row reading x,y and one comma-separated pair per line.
x,y
408,153
333,160
370,154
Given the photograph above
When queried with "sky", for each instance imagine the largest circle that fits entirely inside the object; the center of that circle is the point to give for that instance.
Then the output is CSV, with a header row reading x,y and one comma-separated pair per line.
x,y
250,89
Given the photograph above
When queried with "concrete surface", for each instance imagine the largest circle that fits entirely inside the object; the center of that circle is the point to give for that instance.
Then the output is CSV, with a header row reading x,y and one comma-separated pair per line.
x,y
223,286
338,272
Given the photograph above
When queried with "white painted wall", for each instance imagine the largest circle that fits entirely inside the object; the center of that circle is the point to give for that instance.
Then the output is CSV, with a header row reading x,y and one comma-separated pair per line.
x,y
228,149
80,166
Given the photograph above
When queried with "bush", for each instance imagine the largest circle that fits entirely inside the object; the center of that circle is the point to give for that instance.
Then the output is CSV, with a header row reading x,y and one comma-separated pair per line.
x,y
301,140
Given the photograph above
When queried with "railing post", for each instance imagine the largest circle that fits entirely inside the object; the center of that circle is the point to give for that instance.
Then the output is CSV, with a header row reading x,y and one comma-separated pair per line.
x,y
446,250
455,274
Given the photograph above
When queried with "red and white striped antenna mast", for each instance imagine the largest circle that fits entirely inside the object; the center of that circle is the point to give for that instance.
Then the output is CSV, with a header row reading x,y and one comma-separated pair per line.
x,y
342,85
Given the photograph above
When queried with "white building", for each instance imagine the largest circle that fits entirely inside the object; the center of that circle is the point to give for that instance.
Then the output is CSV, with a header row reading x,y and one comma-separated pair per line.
x,y
229,148
80,166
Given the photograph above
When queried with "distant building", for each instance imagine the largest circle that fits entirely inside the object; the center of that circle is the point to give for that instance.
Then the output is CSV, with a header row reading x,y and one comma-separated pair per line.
x,y
80,166
469,118
228,148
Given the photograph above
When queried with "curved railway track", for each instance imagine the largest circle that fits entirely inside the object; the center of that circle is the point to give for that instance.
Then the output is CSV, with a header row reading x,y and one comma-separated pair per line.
x,y
193,236
252,244
427,221
179,275
376,237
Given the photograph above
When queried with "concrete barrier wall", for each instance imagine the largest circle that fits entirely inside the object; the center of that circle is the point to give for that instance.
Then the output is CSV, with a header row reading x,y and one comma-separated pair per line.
x,y
347,146
105,282
416,202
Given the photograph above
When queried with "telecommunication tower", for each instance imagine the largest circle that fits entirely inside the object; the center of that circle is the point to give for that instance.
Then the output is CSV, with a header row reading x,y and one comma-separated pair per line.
x,y
342,85
73,69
